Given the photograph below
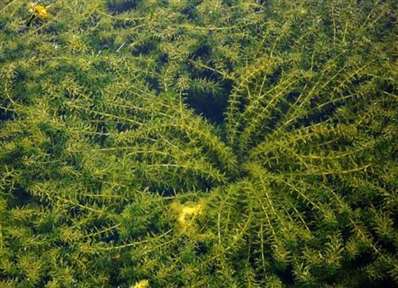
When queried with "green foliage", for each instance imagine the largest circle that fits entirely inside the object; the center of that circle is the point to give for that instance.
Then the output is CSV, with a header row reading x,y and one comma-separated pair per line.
x,y
199,144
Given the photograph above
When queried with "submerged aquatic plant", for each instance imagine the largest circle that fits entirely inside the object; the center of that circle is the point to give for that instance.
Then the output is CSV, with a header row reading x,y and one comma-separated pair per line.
x,y
108,176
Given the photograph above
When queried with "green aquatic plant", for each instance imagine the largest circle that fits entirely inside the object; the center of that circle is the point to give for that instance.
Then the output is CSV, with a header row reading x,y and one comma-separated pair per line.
x,y
109,176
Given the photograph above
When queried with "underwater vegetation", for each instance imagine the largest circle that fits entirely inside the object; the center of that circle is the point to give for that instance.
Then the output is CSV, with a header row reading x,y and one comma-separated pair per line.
x,y
198,143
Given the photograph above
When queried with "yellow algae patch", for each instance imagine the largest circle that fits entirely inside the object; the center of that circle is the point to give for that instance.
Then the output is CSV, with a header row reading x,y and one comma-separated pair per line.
x,y
141,284
38,10
186,214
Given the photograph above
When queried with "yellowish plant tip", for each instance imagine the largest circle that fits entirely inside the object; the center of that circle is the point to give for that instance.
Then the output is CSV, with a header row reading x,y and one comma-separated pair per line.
x,y
141,284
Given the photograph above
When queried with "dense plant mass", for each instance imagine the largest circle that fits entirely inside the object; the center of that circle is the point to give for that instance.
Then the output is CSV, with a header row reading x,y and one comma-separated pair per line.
x,y
198,143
